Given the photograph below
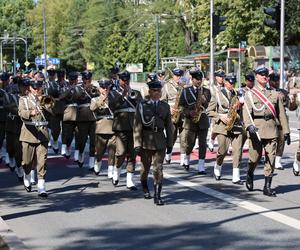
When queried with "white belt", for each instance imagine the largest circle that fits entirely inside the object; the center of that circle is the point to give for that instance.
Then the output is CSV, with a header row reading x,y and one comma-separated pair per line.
x,y
71,105
37,124
108,117
126,110
84,105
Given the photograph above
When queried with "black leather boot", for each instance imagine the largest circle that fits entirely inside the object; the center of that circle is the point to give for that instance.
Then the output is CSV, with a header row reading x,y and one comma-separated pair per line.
x,y
267,188
146,189
157,191
249,181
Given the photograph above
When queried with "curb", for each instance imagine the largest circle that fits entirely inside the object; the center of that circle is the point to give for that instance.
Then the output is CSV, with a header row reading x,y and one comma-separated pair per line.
x,y
8,239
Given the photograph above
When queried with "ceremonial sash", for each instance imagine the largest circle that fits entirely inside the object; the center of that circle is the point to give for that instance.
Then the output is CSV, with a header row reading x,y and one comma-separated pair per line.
x,y
265,100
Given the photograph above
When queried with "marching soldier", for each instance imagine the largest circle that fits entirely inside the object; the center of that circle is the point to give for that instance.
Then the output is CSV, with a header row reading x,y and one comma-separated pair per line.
x,y
123,102
161,74
145,89
224,109
86,120
249,82
194,101
218,85
274,84
69,124
262,110
113,74
171,93
34,136
105,136
152,118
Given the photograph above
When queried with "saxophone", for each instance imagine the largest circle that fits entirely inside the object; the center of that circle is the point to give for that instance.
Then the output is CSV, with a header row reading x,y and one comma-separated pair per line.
x,y
232,113
176,114
199,109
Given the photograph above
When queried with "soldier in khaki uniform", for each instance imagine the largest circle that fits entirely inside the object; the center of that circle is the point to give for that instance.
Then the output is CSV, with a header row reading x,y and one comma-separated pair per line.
x,y
123,102
171,93
263,110
105,136
4,81
225,109
86,120
274,84
152,118
34,136
218,85
194,101
69,124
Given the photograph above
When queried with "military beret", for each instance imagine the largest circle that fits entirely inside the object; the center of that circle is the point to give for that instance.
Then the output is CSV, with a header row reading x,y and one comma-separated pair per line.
x,y
60,72
73,75
104,83
274,77
250,77
220,73
261,70
4,76
51,71
231,79
86,74
25,82
124,75
196,73
155,84
178,72
114,70
36,83
152,76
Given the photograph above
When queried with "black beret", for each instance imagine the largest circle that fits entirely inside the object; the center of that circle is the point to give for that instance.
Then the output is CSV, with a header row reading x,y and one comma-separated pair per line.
x,y
220,73
114,70
231,79
4,76
261,70
196,73
178,72
124,75
274,77
61,72
26,81
105,83
155,84
152,76
36,84
86,74
73,75
250,77
51,71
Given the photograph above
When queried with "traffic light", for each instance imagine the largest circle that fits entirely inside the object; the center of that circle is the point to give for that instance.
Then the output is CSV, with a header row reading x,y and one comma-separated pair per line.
x,y
274,13
218,24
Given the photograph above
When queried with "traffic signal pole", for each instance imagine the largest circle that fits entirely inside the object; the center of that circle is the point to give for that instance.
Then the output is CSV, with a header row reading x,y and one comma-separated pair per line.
x,y
282,83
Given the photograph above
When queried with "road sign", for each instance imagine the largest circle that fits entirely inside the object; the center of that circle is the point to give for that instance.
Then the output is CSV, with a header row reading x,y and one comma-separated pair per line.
x,y
39,61
54,60
26,63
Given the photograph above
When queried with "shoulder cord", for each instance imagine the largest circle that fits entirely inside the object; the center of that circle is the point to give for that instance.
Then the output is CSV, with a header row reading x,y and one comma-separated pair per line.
x,y
192,94
142,116
219,102
37,107
252,103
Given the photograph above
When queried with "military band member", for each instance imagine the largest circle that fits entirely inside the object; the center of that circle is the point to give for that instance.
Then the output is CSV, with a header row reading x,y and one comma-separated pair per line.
x,y
105,136
194,101
4,81
161,74
225,109
69,124
152,118
249,82
262,110
171,93
218,85
123,102
86,120
113,75
274,84
34,136
145,89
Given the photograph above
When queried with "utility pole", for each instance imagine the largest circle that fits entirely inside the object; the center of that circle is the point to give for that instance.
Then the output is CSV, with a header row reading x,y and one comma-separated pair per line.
x,y
45,48
14,56
282,45
157,41
211,60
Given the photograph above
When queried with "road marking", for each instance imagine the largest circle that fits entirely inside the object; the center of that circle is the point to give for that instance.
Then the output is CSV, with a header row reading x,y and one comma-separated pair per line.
x,y
283,219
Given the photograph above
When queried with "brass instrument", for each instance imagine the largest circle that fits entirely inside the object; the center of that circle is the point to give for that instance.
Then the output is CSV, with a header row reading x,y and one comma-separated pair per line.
x,y
132,94
176,114
199,109
47,102
232,113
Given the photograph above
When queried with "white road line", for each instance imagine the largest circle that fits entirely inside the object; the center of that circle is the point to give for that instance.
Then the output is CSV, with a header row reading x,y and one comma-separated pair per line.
x,y
283,219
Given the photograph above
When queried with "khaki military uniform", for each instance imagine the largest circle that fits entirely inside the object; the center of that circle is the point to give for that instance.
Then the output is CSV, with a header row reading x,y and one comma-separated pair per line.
x,y
34,135
13,129
105,136
221,103
267,126
190,100
124,109
151,120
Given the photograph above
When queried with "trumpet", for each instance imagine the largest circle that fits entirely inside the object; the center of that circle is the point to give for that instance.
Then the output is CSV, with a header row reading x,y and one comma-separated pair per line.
x,y
132,94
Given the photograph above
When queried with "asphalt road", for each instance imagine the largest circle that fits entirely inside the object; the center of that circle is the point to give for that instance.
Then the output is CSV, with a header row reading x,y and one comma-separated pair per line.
x,y
84,211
